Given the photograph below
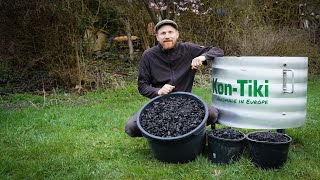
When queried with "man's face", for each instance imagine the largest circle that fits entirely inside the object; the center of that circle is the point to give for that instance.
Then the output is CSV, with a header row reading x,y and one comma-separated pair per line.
x,y
167,36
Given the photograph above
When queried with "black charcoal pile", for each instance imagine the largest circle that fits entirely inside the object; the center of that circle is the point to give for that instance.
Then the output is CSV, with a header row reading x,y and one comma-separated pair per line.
x,y
269,137
173,116
226,133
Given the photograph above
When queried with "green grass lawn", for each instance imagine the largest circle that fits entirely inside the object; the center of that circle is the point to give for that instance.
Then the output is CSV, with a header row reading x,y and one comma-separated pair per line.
x,y
64,136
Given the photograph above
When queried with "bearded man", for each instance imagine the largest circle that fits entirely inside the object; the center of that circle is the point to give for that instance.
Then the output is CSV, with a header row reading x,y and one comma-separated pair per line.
x,y
170,66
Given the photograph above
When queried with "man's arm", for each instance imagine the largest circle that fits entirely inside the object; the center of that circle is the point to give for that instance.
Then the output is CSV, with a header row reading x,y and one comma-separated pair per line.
x,y
144,80
213,52
206,53
147,90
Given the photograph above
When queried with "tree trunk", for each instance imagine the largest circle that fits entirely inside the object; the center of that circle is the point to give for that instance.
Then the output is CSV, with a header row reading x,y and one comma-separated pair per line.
x,y
130,44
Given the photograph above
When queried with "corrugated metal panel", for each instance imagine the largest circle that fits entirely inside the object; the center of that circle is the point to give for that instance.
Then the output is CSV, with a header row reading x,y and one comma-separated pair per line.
x,y
260,92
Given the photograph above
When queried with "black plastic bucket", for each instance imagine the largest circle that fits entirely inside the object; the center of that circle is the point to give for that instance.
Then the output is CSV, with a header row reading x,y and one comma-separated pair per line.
x,y
180,149
224,151
268,155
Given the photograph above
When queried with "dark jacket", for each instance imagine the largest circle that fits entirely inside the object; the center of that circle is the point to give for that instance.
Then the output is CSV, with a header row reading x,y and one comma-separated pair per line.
x,y
159,67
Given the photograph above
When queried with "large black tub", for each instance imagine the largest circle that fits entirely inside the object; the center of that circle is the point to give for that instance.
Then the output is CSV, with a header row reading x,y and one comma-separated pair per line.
x,y
178,149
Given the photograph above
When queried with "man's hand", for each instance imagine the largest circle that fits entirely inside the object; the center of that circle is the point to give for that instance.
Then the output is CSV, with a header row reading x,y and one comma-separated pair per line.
x,y
197,62
166,89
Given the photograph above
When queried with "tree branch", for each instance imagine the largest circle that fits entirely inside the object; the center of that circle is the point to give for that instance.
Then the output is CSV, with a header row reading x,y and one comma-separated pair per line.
x,y
153,18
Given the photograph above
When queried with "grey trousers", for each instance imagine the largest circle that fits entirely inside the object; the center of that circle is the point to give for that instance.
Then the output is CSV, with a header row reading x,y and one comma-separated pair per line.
x,y
132,129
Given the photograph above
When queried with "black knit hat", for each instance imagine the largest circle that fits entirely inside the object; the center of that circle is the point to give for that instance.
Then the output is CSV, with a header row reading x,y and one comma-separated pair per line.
x,y
166,22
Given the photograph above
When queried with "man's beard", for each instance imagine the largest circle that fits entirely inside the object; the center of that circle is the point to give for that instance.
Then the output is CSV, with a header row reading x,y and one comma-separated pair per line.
x,y
168,44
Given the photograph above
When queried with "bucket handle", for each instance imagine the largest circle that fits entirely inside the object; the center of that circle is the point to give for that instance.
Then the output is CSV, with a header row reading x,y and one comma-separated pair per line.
x,y
285,81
